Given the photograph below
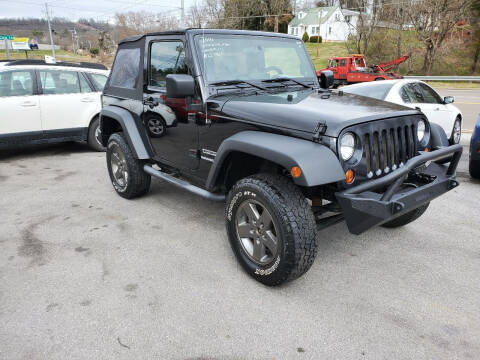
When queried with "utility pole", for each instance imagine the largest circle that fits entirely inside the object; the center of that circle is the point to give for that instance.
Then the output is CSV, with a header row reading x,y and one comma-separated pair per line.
x,y
74,38
51,33
182,7
7,50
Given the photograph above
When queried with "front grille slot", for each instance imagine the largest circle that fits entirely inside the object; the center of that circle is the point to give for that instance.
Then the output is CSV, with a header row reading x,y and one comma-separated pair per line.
x,y
387,148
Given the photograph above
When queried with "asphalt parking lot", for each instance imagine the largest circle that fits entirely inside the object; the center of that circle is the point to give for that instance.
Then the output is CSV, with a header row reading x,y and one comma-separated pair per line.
x,y
85,274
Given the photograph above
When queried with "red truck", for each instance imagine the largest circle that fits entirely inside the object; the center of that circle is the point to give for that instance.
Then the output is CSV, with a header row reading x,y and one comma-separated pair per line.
x,y
354,69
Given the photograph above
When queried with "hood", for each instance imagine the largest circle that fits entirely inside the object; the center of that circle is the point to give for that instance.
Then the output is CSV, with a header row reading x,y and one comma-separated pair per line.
x,y
303,110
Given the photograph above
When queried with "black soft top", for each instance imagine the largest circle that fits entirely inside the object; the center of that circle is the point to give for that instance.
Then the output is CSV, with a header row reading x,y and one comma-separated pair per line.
x,y
196,31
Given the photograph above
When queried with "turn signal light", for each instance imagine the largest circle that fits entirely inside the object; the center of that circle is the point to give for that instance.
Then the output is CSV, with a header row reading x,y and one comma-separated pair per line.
x,y
296,172
349,176
426,150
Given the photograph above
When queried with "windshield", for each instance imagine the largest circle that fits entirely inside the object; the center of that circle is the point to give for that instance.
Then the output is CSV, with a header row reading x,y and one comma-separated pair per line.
x,y
248,57
377,89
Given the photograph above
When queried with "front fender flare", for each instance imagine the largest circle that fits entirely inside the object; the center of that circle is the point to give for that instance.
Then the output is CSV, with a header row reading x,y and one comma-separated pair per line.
x,y
129,127
318,163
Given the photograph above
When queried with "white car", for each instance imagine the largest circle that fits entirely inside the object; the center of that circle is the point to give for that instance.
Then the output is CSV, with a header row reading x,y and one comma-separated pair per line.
x,y
415,94
44,103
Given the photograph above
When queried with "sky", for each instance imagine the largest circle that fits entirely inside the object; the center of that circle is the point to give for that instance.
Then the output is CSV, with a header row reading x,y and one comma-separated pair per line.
x,y
98,9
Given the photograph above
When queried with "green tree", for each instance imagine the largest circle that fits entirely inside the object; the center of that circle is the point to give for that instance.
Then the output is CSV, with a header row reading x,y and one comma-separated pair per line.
x,y
475,21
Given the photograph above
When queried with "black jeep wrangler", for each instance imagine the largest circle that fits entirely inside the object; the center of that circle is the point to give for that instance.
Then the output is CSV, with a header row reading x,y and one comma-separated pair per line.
x,y
244,119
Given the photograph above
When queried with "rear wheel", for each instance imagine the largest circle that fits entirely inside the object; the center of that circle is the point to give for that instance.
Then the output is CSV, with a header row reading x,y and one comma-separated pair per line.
x,y
94,138
379,79
407,218
456,131
126,172
271,228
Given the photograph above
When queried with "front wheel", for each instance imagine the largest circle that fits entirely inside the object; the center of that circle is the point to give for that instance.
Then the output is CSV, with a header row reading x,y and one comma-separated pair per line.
x,y
126,172
407,218
271,228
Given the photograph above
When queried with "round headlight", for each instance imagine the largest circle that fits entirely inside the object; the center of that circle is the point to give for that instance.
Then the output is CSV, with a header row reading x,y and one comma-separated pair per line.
x,y
420,130
347,146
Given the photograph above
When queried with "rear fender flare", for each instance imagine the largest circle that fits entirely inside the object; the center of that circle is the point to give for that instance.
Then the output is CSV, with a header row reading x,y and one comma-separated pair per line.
x,y
318,163
129,127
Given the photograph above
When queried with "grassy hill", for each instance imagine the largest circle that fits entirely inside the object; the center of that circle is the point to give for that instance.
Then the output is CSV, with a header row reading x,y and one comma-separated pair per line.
x,y
62,55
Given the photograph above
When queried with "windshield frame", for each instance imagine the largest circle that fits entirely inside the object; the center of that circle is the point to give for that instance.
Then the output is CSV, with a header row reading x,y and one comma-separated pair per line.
x,y
197,54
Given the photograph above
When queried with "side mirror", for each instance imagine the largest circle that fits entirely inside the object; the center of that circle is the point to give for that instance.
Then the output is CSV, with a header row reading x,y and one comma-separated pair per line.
x,y
448,99
180,86
326,79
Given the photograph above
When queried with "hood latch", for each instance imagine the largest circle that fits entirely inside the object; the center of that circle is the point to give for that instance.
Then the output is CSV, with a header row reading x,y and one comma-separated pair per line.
x,y
320,130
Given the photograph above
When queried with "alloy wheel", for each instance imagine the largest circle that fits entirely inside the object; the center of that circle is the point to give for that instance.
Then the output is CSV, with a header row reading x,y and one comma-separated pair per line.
x,y
156,126
119,166
457,132
256,232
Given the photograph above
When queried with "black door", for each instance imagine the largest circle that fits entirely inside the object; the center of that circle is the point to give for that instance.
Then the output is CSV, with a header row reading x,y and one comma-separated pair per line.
x,y
173,137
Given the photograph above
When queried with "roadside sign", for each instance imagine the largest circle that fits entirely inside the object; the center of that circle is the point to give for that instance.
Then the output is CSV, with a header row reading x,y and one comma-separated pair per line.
x,y
20,44
6,37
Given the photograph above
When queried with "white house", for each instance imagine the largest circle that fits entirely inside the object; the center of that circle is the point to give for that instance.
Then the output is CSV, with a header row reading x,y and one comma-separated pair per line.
x,y
330,22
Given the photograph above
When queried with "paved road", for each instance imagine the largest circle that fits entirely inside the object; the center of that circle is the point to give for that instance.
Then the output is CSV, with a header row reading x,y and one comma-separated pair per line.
x,y
85,274
468,101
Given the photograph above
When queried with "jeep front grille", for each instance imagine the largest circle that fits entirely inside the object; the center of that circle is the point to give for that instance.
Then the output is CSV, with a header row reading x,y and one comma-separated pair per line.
x,y
387,145
388,149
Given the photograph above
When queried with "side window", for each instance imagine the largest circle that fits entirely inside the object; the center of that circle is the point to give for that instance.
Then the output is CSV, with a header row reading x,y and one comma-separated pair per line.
x,y
125,69
99,81
429,95
404,95
59,82
414,93
343,62
84,86
16,83
166,57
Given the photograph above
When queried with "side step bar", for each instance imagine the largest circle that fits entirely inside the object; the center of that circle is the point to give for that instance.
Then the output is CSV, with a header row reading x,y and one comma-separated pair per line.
x,y
183,184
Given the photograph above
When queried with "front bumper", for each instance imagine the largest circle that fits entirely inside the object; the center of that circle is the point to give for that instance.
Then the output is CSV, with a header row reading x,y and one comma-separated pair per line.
x,y
416,183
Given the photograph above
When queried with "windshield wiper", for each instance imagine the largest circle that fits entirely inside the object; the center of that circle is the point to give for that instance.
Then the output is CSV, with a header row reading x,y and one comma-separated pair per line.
x,y
284,79
237,82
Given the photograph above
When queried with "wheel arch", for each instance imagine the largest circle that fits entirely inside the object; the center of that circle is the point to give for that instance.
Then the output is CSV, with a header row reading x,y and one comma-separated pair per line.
x,y
92,119
114,119
319,164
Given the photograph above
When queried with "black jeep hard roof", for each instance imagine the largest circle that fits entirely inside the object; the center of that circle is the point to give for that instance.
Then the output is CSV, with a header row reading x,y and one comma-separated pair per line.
x,y
207,31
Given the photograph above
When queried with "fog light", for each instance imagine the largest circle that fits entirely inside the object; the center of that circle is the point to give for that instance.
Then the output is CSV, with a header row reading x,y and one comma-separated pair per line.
x,y
296,172
426,150
349,176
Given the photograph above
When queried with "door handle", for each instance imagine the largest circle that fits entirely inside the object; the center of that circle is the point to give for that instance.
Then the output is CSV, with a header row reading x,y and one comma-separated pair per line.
x,y
28,103
87,99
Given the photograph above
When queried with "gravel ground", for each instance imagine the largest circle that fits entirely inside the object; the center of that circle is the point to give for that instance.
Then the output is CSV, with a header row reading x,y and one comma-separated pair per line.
x,y
85,274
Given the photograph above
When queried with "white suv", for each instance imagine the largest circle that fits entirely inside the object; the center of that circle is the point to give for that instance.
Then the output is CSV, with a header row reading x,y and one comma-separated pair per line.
x,y
42,103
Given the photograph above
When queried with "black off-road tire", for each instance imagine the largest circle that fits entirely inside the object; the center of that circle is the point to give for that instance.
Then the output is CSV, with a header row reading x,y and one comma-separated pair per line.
x,y
93,141
138,182
407,218
474,169
293,217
